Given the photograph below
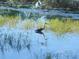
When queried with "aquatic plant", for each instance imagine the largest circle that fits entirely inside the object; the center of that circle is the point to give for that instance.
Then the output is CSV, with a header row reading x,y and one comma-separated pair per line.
x,y
8,20
40,24
2,21
12,21
28,24
48,56
75,27
57,25
64,25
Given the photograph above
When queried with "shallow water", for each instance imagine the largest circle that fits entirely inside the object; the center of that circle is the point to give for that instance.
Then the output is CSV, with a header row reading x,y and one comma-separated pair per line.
x,y
44,12
22,44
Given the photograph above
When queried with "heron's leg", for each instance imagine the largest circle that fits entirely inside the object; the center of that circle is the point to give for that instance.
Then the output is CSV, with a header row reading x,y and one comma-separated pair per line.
x,y
45,39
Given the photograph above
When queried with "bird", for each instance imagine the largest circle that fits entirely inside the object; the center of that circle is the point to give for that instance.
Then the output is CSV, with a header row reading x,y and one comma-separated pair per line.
x,y
39,31
38,4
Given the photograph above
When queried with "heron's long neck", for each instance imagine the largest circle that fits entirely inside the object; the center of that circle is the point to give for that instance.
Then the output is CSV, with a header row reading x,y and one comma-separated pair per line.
x,y
44,25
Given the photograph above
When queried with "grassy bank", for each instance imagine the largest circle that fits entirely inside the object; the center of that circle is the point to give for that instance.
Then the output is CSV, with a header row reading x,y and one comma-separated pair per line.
x,y
57,25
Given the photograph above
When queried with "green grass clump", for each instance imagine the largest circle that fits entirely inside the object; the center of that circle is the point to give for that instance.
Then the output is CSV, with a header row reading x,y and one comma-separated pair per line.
x,y
2,21
64,26
28,24
8,21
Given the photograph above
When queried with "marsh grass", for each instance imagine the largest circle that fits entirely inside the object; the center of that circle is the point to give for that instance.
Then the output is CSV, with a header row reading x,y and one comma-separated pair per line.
x,y
48,55
2,21
64,26
28,24
12,21
9,21
60,26
40,24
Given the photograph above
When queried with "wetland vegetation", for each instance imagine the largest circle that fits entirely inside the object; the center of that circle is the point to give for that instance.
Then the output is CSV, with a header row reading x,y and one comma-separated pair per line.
x,y
57,19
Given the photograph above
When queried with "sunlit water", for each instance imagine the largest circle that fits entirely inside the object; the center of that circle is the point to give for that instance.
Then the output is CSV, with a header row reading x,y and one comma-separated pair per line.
x,y
22,44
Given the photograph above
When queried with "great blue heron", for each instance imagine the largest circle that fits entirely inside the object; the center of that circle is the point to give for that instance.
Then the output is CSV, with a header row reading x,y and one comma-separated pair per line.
x,y
39,31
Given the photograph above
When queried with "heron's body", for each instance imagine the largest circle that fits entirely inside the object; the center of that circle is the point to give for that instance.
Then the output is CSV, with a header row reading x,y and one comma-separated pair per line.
x,y
39,30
